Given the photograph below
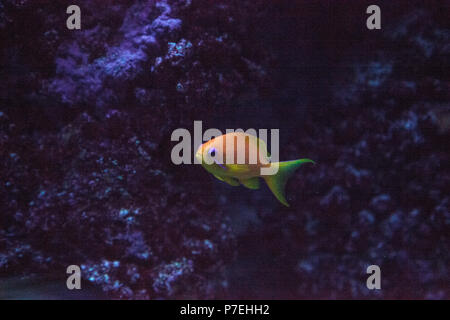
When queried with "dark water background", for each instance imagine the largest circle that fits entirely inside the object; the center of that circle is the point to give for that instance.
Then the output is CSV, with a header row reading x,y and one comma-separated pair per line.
x,y
86,176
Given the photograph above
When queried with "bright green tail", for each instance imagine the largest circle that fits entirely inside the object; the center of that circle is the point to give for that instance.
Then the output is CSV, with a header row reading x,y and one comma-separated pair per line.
x,y
277,182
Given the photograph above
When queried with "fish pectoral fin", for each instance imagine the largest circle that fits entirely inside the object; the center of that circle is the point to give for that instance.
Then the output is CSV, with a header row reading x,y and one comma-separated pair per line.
x,y
252,183
231,181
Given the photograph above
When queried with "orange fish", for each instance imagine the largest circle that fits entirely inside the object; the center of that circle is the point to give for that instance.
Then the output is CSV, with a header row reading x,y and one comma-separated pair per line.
x,y
244,161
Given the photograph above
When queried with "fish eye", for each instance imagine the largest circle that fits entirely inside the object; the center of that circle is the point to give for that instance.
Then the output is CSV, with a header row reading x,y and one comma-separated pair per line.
x,y
212,152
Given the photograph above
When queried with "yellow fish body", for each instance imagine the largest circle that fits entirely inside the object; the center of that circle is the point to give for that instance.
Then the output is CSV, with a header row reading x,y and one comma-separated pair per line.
x,y
224,162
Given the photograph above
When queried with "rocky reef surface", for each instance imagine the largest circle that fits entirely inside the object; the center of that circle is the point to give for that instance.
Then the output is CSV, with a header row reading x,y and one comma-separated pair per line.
x,y
85,130
85,124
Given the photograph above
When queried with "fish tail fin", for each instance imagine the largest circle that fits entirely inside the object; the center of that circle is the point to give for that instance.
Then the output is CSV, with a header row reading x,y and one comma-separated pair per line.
x,y
277,182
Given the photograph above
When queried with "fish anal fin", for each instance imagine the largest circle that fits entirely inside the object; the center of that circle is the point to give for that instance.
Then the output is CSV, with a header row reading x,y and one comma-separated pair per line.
x,y
252,183
237,168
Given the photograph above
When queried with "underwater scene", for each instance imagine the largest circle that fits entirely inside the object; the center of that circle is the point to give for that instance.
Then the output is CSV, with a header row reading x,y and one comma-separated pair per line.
x,y
113,117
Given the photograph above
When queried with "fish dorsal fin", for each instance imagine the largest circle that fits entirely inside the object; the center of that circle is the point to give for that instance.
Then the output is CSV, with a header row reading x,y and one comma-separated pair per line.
x,y
252,183
277,182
